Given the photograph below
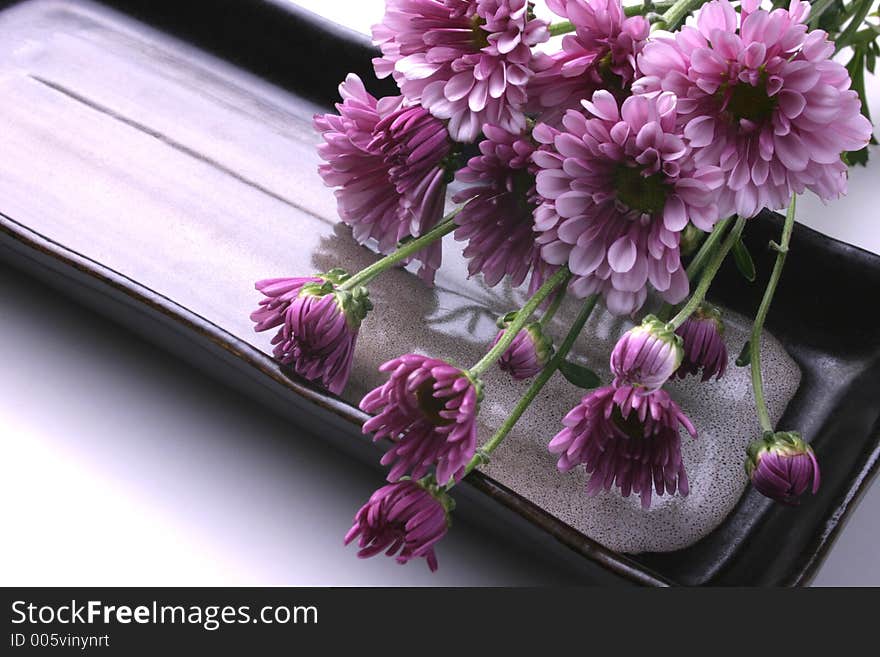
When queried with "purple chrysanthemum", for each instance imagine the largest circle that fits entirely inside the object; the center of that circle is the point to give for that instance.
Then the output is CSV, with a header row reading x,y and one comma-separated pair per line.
x,y
760,97
646,356
402,519
619,187
497,221
467,61
626,437
318,322
387,159
428,409
278,293
601,54
782,467
527,354
703,340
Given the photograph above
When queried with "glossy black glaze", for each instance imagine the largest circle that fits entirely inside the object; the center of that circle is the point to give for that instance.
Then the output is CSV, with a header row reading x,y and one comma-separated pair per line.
x,y
822,314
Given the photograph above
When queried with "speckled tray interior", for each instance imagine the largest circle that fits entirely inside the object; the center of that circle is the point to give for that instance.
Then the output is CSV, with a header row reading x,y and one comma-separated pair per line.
x,y
182,176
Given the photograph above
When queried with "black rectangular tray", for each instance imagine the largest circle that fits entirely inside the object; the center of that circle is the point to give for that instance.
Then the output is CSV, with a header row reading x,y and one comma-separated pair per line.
x,y
825,315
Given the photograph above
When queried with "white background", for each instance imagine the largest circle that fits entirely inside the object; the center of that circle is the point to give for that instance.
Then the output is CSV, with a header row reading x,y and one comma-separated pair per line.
x,y
123,466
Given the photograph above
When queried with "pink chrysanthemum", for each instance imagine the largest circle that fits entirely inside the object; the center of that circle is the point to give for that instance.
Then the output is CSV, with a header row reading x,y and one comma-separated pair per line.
x,y
428,409
278,293
619,187
318,322
387,159
760,97
601,54
467,61
702,337
497,222
628,438
646,356
402,519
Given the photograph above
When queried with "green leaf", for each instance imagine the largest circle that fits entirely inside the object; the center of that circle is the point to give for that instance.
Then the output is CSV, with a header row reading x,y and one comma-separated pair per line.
x,y
744,261
579,375
857,157
745,355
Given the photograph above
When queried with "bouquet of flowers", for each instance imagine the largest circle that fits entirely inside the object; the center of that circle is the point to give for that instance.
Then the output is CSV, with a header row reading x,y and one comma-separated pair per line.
x,y
619,167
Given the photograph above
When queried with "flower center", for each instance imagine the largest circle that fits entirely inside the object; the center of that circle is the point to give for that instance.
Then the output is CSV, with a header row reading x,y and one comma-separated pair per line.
x,y
429,405
751,102
638,192
480,36
630,425
611,81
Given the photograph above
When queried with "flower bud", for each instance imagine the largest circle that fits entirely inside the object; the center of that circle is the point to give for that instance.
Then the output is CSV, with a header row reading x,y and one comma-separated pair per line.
x,y
647,355
782,466
702,336
527,354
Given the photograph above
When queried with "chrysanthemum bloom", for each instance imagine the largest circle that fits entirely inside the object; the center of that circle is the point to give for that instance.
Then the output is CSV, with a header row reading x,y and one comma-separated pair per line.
x,y
428,409
760,97
782,467
626,437
387,159
467,61
319,325
601,54
647,355
404,520
497,222
704,349
527,354
619,187
278,293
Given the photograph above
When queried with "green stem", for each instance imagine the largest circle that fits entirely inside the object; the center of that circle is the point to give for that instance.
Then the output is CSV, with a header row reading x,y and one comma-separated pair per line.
x,y
519,321
755,341
865,36
707,248
562,27
567,343
647,7
551,310
711,270
446,226
818,8
845,37
677,13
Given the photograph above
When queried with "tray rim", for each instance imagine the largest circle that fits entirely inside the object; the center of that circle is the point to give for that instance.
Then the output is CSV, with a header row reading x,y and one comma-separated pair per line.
x,y
264,365
803,570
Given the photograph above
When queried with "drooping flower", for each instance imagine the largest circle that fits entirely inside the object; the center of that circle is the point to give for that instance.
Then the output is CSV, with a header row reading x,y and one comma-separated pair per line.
x,y
626,437
704,349
428,409
601,54
403,519
760,97
387,159
619,187
278,293
527,354
467,61
647,355
319,325
782,467
497,221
